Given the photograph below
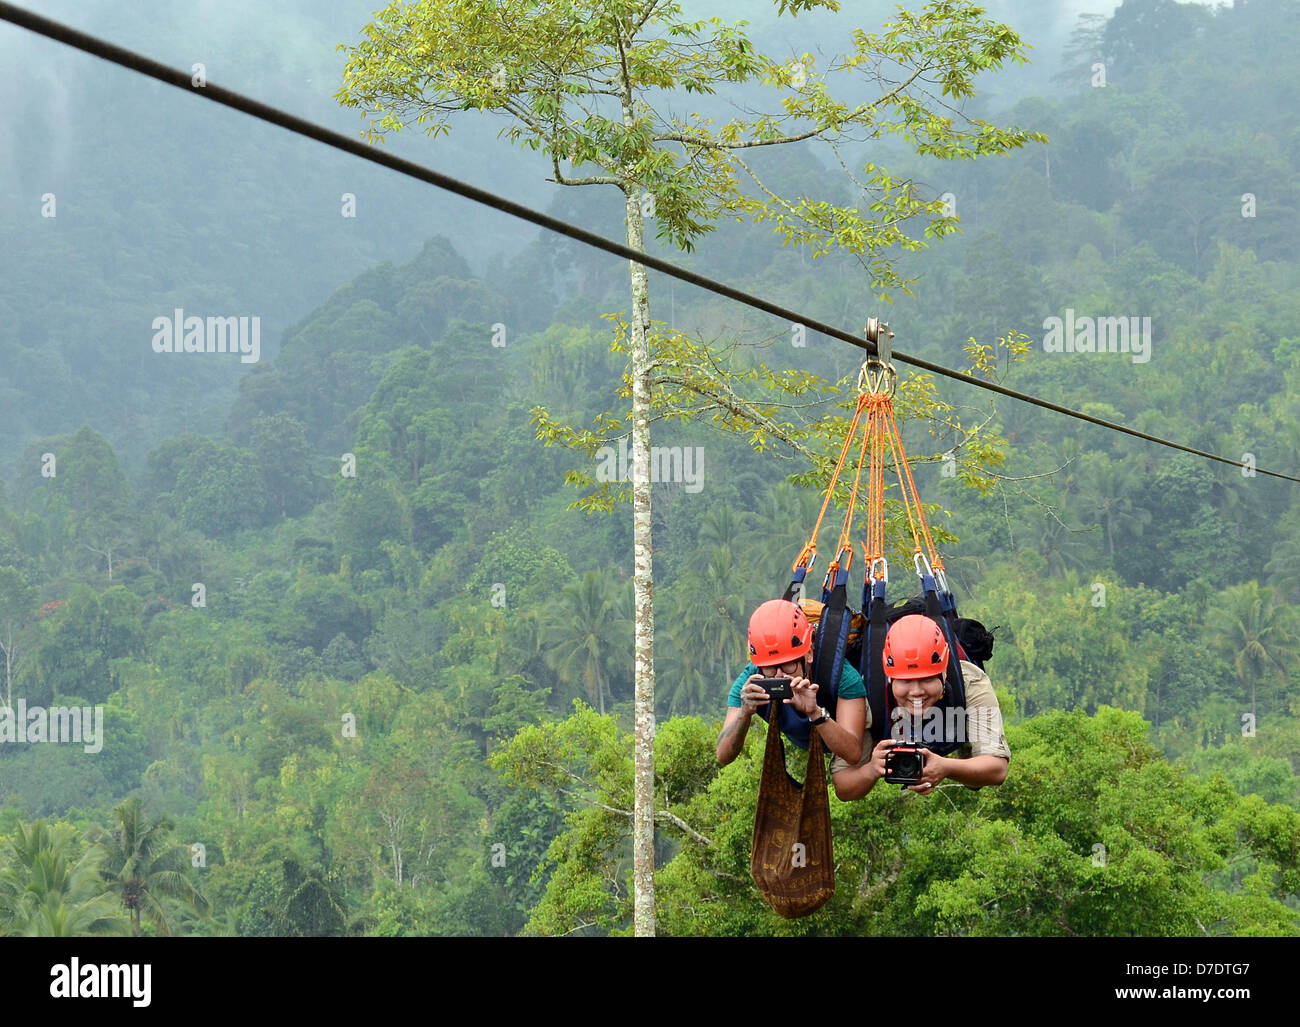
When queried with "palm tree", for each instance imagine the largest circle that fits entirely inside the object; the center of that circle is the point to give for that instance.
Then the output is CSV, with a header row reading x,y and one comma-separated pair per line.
x,y
691,692
1256,632
584,627
1108,489
704,623
45,893
785,517
709,616
721,526
1063,548
526,645
141,868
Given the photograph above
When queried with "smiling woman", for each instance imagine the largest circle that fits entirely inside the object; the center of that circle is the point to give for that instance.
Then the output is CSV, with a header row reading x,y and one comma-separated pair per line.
x,y
914,648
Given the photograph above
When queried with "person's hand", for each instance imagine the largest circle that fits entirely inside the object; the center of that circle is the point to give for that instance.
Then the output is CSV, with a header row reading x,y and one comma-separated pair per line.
x,y
877,762
803,697
752,695
935,770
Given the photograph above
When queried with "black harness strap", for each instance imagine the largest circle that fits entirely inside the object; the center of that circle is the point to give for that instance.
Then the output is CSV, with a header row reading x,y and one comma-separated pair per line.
x,y
873,651
832,639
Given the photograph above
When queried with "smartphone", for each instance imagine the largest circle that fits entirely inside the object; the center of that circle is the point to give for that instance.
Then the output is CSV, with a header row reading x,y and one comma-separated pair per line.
x,y
776,688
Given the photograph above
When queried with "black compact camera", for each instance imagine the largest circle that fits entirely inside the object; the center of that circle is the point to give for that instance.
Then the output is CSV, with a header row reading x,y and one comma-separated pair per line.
x,y
776,688
904,764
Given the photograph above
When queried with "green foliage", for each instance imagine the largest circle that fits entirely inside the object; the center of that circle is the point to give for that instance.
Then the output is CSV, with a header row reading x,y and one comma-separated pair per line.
x,y
582,627
220,491
74,647
370,512
410,433
280,446
1092,834
319,608
17,602
342,659
584,763
1177,498
1258,635
1250,773
141,868
288,900
88,477
530,571
1069,645
50,885
479,65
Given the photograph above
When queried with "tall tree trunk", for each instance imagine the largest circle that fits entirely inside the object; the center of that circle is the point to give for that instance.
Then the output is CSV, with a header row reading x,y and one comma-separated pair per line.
x,y
643,707
642,554
643,837
9,670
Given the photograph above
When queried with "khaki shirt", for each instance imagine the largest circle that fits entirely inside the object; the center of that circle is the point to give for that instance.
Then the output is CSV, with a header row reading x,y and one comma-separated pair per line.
x,y
983,722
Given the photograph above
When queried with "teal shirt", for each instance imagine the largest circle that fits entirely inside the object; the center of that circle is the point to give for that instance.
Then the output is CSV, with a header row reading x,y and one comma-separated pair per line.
x,y
851,686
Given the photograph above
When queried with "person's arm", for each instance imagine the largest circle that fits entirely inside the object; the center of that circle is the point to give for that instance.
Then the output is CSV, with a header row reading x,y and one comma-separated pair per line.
x,y
841,735
734,729
855,782
974,772
732,739
987,766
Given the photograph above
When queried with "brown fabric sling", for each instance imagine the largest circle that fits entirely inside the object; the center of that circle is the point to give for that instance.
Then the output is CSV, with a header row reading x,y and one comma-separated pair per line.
x,y
795,883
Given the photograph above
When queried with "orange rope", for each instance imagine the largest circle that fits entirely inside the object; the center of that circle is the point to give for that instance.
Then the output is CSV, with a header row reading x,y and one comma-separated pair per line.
x,y
896,438
810,549
846,532
880,433
876,494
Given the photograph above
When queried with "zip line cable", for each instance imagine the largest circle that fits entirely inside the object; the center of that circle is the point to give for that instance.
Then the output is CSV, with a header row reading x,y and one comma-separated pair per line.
x,y
137,62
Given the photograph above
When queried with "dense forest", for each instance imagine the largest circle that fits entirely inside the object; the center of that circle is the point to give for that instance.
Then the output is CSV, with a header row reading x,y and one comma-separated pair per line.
x,y
364,670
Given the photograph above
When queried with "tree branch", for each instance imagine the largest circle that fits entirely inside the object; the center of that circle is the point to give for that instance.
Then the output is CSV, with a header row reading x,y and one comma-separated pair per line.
x,y
650,11
733,403
662,814
677,821
559,178
692,140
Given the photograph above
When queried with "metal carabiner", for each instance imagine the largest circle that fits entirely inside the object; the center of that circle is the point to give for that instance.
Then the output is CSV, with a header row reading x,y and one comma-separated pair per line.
x,y
918,560
847,560
877,378
884,572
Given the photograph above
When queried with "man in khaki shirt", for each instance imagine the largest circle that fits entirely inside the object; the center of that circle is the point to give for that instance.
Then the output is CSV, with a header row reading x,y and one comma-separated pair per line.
x,y
914,648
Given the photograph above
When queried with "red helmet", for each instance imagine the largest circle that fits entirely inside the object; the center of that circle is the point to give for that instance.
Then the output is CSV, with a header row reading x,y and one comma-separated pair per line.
x,y
778,633
915,648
